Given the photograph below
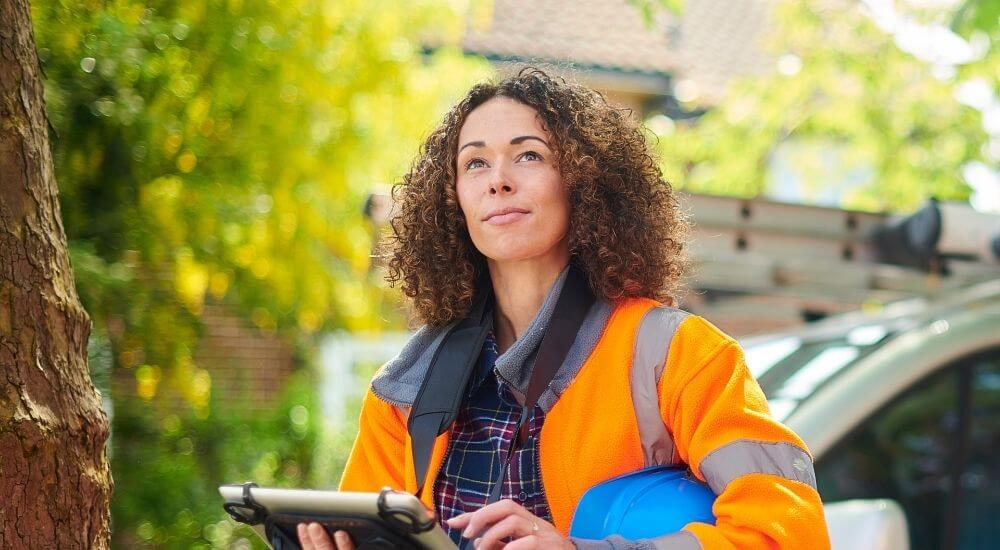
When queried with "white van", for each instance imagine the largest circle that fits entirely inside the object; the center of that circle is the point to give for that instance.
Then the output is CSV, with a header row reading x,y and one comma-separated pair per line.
x,y
901,410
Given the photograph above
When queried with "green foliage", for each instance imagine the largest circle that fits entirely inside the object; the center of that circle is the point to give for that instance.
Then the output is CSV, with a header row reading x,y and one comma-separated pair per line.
x,y
848,93
167,467
976,16
221,151
230,145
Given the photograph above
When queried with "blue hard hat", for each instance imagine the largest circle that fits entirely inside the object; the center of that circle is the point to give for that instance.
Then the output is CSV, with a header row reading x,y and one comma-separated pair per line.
x,y
646,503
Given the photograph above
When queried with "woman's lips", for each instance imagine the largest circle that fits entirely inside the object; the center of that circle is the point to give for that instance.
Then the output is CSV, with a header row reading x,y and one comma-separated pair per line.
x,y
504,219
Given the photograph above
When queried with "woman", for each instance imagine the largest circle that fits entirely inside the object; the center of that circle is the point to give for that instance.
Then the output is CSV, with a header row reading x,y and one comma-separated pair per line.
x,y
527,182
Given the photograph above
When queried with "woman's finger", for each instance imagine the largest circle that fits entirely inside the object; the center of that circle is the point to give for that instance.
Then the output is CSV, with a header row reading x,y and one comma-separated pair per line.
x,y
460,521
475,522
343,540
317,537
512,526
305,539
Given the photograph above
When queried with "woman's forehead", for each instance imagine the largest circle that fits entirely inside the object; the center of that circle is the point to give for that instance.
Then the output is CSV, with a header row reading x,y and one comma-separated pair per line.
x,y
499,120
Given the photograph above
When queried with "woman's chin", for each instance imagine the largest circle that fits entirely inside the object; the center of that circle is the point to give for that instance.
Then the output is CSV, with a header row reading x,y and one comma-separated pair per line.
x,y
523,244
517,253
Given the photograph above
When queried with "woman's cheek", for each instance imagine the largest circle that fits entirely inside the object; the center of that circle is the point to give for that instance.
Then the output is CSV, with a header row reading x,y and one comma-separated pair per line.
x,y
465,203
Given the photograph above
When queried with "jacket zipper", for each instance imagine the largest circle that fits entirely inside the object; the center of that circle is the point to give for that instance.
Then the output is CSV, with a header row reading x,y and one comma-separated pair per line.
x,y
538,470
437,475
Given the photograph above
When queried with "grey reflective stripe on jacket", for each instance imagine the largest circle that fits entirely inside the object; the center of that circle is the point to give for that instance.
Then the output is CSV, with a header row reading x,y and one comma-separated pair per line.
x,y
744,456
681,540
652,344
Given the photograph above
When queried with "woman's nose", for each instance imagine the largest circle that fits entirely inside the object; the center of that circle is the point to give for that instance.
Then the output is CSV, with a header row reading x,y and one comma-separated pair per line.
x,y
499,183
500,188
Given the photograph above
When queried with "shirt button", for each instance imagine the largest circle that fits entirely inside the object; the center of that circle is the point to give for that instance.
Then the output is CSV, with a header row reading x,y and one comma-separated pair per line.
x,y
522,496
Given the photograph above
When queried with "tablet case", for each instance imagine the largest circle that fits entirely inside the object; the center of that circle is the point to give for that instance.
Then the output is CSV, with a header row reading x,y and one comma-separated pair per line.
x,y
393,528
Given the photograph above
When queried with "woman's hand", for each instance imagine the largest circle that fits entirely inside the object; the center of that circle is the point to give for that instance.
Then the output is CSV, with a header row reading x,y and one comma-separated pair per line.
x,y
313,536
494,522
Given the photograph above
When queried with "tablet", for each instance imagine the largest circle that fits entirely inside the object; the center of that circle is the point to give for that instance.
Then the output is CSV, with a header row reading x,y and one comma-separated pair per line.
x,y
387,519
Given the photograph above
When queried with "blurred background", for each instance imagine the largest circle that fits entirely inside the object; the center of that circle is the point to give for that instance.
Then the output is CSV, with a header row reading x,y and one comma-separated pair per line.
x,y
223,168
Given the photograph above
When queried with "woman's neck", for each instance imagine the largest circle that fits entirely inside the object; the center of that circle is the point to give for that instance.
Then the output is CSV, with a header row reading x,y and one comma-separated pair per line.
x,y
519,289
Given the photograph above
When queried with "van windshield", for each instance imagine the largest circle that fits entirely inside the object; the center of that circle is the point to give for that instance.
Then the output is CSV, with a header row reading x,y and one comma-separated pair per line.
x,y
790,368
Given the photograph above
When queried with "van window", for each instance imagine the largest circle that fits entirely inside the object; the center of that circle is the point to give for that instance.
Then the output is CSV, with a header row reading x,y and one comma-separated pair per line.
x,y
933,450
905,453
980,491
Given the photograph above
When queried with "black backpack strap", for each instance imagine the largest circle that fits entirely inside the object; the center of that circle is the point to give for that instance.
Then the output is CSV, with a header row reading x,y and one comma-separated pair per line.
x,y
571,309
441,393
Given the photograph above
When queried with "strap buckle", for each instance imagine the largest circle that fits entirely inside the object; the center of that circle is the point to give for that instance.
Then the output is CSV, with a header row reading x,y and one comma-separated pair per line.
x,y
401,519
248,511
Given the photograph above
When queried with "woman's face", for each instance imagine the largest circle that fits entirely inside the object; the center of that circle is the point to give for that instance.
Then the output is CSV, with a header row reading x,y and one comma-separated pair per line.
x,y
509,188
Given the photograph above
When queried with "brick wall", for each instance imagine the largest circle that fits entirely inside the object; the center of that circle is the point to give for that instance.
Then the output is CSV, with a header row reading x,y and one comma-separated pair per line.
x,y
248,366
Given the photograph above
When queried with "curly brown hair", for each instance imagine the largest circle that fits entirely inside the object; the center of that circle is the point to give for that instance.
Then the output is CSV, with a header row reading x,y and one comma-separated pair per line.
x,y
626,233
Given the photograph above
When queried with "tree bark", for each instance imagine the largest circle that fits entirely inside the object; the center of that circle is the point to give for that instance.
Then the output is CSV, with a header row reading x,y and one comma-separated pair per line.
x,y
55,484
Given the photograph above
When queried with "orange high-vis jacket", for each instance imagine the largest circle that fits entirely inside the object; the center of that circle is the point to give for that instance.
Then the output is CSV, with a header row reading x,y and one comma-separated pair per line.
x,y
713,410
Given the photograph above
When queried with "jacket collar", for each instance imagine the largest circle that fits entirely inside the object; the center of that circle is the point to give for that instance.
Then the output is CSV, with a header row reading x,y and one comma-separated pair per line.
x,y
399,380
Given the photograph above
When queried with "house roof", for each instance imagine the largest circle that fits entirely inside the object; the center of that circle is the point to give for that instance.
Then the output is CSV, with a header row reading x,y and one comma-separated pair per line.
x,y
711,41
720,40
607,34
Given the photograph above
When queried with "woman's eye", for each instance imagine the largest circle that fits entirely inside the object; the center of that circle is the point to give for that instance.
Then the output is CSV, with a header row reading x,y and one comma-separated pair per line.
x,y
478,163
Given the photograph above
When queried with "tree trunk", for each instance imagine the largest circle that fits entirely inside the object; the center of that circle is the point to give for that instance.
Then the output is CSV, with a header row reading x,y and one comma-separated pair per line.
x,y
55,484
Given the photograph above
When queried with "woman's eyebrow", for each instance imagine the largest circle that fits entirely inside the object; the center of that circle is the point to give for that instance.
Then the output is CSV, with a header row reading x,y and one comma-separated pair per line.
x,y
515,141
520,139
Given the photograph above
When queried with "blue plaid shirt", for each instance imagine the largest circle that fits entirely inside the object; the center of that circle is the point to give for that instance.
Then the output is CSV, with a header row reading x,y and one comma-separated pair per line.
x,y
478,449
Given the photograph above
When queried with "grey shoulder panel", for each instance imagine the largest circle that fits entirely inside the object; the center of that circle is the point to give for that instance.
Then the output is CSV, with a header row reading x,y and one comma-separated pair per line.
x,y
745,456
652,344
399,380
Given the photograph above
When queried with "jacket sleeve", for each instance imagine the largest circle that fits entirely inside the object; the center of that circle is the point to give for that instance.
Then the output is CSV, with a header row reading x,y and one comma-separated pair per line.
x,y
761,472
377,457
